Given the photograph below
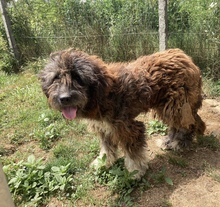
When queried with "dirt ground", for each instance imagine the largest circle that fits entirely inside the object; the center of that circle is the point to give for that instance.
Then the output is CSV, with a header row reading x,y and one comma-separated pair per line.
x,y
193,185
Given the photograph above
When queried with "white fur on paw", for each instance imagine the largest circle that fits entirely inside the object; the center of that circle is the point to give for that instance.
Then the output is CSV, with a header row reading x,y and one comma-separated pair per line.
x,y
95,163
101,161
140,167
174,145
167,144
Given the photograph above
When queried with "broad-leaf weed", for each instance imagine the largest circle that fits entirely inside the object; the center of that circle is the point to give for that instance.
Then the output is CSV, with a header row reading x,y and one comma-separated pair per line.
x,y
30,182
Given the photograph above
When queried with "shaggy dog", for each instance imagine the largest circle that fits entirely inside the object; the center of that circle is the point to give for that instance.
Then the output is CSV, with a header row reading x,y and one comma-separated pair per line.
x,y
113,95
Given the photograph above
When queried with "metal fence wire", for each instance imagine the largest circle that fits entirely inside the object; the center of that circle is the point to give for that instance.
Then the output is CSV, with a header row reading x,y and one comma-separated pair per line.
x,y
117,30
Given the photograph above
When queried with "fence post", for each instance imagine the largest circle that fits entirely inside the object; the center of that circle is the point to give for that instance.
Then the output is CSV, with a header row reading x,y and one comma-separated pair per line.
x,y
8,30
162,24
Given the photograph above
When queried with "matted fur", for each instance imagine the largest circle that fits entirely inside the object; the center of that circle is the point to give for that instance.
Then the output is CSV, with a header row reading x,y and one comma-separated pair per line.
x,y
113,95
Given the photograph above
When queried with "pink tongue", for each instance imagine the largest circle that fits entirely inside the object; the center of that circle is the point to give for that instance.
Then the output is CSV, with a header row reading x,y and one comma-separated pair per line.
x,y
69,113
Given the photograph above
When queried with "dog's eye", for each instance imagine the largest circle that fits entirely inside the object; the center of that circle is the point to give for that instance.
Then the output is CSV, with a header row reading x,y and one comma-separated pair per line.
x,y
76,77
57,76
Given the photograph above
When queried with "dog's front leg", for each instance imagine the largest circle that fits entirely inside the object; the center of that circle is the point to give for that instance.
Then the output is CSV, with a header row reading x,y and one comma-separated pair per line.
x,y
108,148
133,143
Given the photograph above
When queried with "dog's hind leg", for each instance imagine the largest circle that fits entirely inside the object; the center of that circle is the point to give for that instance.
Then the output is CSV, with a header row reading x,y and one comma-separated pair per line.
x,y
133,143
182,137
178,138
183,127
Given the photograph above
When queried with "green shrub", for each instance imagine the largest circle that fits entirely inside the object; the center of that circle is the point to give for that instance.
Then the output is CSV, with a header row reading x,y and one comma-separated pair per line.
x,y
7,60
117,30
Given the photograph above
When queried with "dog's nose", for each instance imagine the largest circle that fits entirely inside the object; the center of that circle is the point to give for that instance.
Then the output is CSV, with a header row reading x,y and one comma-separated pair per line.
x,y
65,100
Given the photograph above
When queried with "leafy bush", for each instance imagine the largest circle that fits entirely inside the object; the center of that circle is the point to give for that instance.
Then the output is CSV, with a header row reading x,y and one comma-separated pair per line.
x,y
7,60
30,182
117,30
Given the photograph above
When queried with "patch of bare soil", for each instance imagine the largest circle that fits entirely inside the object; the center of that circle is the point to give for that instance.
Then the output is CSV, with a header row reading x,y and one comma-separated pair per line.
x,y
55,202
198,192
18,152
193,185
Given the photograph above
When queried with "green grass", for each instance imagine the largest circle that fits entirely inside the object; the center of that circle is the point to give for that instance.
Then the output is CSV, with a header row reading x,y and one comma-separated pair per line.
x,y
210,87
178,161
26,118
27,122
21,105
210,142
166,204
161,177
211,171
216,175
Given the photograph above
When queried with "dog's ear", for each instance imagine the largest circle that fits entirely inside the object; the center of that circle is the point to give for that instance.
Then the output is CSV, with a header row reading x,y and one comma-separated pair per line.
x,y
46,77
87,71
50,71
91,71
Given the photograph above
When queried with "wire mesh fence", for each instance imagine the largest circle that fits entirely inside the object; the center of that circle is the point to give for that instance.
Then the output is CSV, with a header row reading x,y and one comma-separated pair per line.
x,y
117,30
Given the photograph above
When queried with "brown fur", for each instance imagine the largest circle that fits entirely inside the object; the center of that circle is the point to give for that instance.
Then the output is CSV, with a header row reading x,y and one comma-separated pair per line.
x,y
113,95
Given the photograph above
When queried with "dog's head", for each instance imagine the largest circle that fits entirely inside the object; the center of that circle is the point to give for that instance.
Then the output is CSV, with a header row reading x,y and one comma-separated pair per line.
x,y
73,82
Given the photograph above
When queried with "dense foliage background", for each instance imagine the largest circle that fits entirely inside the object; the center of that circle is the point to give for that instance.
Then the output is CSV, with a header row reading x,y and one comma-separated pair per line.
x,y
117,30
45,158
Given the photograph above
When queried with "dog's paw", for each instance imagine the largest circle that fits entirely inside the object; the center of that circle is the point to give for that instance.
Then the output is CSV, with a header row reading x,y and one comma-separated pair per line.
x,y
95,163
139,167
167,144
102,161
99,162
139,172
